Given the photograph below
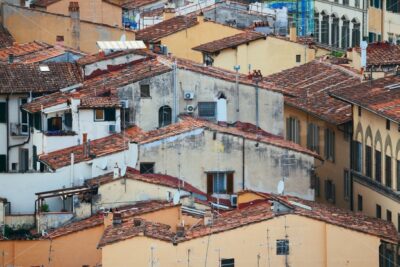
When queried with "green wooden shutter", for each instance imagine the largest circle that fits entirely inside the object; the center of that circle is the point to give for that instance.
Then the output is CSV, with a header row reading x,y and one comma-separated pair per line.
x,y
109,114
3,163
209,183
3,112
229,183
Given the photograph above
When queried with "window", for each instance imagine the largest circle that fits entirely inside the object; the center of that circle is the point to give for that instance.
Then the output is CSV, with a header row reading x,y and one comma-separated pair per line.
x,y
330,191
37,118
388,215
164,116
335,32
24,118
220,183
23,159
346,182
54,124
227,262
346,34
356,34
371,37
147,167
34,157
313,137
388,171
346,2
359,203
390,38
317,187
387,124
68,119
316,27
207,109
3,163
357,156
368,161
109,114
393,6
330,144
3,112
378,166
282,247
298,58
293,130
378,211
376,3
357,3
359,111
398,174
99,114
144,90
325,30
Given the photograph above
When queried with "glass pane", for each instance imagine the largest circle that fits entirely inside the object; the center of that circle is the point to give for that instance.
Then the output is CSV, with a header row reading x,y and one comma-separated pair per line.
x,y
207,109
99,114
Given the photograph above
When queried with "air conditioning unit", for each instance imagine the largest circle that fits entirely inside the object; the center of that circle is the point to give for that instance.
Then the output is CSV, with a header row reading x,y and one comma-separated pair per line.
x,y
189,108
188,95
234,201
111,128
124,103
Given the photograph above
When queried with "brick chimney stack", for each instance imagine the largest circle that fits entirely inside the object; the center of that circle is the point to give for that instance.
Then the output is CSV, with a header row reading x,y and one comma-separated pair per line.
x,y
73,9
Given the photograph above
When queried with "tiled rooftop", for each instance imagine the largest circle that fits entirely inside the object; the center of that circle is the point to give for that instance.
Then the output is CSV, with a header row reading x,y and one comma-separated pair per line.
x,y
165,28
73,227
230,42
5,37
93,58
380,54
375,96
311,84
133,4
159,179
25,78
99,102
254,213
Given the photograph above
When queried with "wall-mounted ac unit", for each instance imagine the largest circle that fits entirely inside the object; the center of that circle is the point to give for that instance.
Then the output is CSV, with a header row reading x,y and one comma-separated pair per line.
x,y
188,95
189,108
124,103
234,201
111,128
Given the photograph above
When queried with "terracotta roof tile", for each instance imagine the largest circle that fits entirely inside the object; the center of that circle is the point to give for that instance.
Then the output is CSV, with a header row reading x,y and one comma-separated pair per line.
x,y
73,227
375,96
154,178
30,52
311,84
99,102
6,38
24,78
165,28
380,54
230,42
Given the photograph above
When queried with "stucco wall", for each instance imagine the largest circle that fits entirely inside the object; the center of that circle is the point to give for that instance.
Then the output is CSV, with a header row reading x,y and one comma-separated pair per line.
x,y
44,26
175,156
311,243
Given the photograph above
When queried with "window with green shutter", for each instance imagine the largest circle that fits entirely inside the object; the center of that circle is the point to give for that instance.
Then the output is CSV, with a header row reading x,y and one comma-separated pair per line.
x,y
109,114
3,112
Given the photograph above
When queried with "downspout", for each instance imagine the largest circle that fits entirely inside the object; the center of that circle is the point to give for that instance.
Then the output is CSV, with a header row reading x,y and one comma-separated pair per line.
x,y
174,66
8,140
243,163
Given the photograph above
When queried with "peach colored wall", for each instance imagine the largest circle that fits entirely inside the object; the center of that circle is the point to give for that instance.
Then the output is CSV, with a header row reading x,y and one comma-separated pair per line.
x,y
247,197
91,10
170,216
180,44
75,249
47,26
311,243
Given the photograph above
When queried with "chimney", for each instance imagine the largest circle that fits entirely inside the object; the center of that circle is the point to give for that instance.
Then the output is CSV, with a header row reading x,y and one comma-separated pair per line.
x,y
363,46
180,231
108,219
293,33
73,9
10,58
116,171
117,218
208,218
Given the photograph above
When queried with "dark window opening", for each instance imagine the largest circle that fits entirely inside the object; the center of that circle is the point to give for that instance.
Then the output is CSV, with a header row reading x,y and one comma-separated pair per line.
x,y
313,137
330,144
298,58
282,247
34,157
293,130
37,118
388,171
147,167
109,114
387,124
68,119
330,191
54,124
3,112
207,109
227,262
359,111
145,90
388,215
378,211
164,116
220,183
378,166
359,203
368,161
346,184
3,163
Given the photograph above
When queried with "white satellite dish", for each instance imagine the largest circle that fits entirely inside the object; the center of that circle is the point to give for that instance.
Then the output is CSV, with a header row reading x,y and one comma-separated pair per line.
x,y
177,198
281,187
123,171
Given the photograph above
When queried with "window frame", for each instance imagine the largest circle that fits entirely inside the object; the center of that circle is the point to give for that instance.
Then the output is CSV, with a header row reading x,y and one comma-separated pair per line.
x,y
200,108
229,179
282,247
152,168
329,144
313,138
298,58
95,114
227,262
293,129
359,202
143,88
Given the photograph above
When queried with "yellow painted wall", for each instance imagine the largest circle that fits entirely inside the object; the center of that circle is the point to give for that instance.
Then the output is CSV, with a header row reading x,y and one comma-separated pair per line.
x,y
45,27
75,249
247,197
311,243
270,56
328,169
375,20
97,11
180,44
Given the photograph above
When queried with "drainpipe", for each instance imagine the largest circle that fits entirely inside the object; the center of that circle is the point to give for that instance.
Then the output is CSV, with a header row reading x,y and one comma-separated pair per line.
x,y
8,138
71,179
257,111
243,163
237,68
176,106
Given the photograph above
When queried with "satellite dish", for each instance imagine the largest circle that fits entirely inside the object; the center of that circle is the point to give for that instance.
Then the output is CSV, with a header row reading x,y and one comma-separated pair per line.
x,y
123,38
281,187
123,171
177,198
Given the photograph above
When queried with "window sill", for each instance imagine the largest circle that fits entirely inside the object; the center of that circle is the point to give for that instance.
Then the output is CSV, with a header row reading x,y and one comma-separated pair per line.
x,y
145,97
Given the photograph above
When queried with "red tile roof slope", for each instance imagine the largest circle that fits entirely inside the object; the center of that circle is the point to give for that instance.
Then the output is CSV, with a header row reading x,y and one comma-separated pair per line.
x,y
154,178
311,84
165,28
6,38
99,102
375,96
257,212
380,54
30,52
100,147
229,42
25,78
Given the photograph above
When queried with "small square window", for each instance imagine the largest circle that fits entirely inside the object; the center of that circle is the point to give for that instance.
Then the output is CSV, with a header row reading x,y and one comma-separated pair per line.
x,y
147,167
14,166
359,203
227,262
207,109
359,111
144,90
282,247
378,211
99,114
387,124
298,58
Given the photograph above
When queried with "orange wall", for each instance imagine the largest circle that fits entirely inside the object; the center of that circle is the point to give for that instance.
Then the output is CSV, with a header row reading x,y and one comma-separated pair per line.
x,y
76,249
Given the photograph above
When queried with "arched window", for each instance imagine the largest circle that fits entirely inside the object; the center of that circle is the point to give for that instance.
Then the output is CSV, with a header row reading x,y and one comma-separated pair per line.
x,y
164,116
355,33
345,33
316,27
335,31
378,157
325,29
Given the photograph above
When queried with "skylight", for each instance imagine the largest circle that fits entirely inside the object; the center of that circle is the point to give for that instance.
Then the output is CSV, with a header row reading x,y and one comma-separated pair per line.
x,y
44,68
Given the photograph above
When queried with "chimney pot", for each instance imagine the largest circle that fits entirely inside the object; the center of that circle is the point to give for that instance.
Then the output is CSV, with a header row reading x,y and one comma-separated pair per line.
x,y
293,33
